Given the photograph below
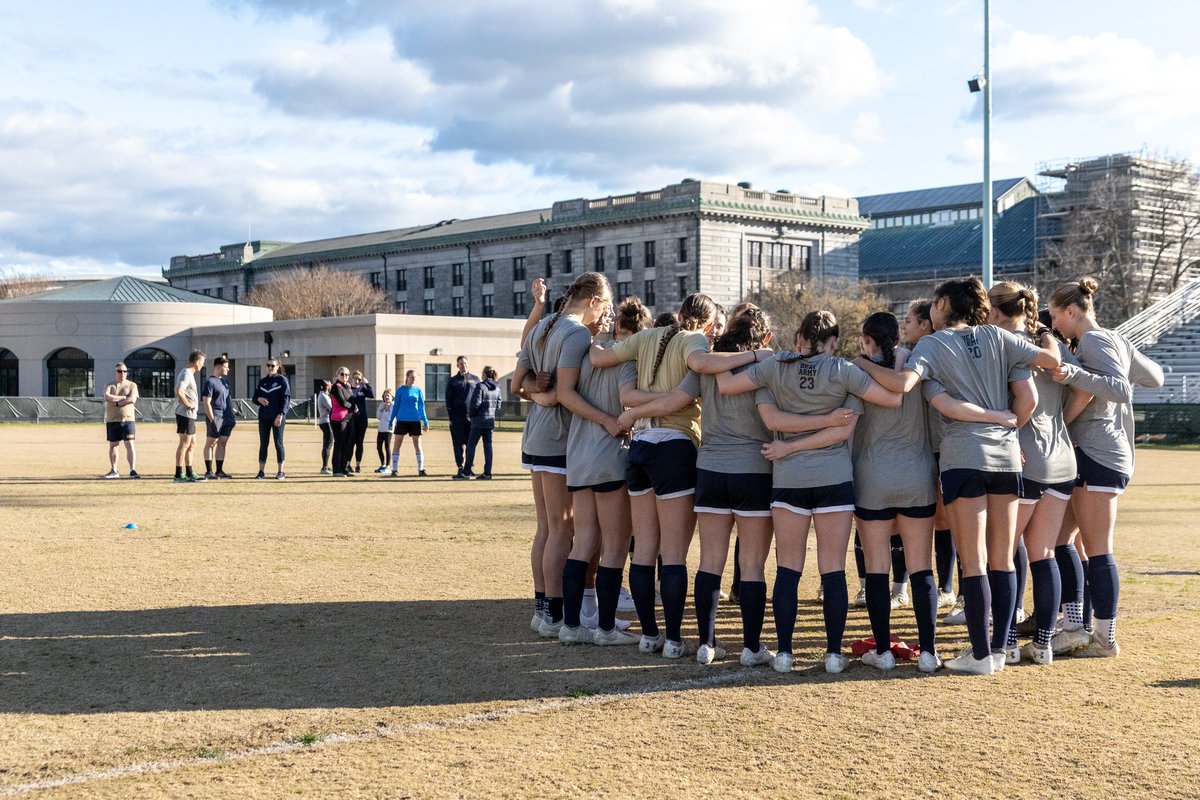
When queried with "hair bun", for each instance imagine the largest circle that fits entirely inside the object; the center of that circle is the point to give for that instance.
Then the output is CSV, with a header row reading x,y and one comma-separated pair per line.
x,y
1088,286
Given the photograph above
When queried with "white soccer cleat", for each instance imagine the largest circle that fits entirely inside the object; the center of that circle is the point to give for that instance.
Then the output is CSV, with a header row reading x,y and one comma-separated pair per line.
x,y
782,662
651,644
752,659
968,664
929,663
706,654
885,661
674,650
614,637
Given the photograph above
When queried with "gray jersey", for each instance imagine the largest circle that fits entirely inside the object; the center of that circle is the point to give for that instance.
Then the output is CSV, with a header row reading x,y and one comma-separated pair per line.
x,y
593,455
1045,445
186,382
568,342
1107,363
814,385
975,364
733,430
893,465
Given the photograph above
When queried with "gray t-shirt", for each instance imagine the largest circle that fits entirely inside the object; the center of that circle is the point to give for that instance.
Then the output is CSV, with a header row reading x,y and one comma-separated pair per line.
x,y
324,407
893,465
814,385
593,455
733,430
1045,445
186,380
975,364
568,342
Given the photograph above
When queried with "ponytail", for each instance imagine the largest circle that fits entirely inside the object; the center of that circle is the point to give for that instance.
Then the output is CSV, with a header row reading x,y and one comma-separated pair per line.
x,y
1015,300
884,330
695,313
816,328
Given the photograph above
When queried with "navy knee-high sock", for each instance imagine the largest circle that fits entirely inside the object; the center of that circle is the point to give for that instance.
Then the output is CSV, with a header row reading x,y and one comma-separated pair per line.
x,y
899,566
879,609
1105,585
608,594
641,587
1070,569
1004,598
737,563
707,595
1021,559
753,595
554,608
860,559
835,606
1047,595
977,600
1087,593
924,600
784,605
673,584
573,578
943,549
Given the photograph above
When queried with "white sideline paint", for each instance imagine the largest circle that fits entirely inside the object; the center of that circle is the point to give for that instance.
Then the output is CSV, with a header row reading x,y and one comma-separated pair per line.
x,y
499,715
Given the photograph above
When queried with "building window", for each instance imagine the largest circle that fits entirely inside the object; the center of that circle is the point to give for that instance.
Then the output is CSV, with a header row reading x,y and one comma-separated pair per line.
x,y
651,256
429,305
376,279
683,292
253,376
401,280
436,378
430,283
401,306
233,293
549,266
804,257
624,256
682,255
153,370
489,273
208,292
779,255
457,304
648,293
72,373
10,372
489,305
598,258
456,272
567,265
624,289
519,308
518,268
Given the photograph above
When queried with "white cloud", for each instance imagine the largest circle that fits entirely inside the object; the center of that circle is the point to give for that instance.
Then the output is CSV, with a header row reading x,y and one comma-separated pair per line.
x,y
969,152
867,127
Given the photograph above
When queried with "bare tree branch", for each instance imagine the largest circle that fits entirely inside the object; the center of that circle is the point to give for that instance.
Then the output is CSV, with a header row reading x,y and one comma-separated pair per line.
x,y
319,292
788,297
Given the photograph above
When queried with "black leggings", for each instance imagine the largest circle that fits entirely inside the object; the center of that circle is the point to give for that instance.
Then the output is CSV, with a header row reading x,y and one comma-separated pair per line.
x,y
383,446
360,435
267,431
342,432
326,443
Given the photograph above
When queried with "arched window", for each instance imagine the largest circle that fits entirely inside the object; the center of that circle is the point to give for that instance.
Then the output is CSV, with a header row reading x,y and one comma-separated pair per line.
x,y
72,373
9,373
153,371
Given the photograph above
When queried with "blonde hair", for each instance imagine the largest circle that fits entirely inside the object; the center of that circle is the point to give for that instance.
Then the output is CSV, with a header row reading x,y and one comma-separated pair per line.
x,y
589,285
696,312
1016,300
1078,294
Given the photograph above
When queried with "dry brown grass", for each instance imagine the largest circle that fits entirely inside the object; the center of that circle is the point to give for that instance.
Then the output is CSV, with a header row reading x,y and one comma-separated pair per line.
x,y
381,628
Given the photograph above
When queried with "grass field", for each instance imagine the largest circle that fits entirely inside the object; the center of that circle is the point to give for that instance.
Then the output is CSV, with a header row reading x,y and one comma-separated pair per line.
x,y
369,637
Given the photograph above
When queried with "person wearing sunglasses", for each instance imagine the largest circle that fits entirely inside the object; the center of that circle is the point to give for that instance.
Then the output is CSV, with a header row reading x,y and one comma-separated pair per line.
x,y
119,414
273,396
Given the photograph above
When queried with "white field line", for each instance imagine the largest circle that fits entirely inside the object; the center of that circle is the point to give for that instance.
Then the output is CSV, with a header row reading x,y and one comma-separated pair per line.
x,y
477,718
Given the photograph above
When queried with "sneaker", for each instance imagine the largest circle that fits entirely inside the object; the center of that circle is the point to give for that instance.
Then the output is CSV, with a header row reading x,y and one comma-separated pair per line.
x,y
968,664
901,600
999,659
469,473
548,629
957,615
885,661
1012,655
860,599
340,475
458,476
946,600
1099,649
179,479
280,476
1027,627
112,473
196,478
260,475
383,470
651,644
1037,655
210,476
326,471
348,473
592,622
706,654
674,650
484,477
835,663
752,659
576,635
614,637
536,622
782,662
625,601
222,475
423,474
133,473
1068,641
394,473
358,467
929,663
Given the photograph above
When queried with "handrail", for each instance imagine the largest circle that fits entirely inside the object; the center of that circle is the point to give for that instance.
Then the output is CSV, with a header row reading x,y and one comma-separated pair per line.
x,y
1173,311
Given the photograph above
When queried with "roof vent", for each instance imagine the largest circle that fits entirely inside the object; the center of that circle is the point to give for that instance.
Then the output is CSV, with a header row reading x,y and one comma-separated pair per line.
x,y
745,185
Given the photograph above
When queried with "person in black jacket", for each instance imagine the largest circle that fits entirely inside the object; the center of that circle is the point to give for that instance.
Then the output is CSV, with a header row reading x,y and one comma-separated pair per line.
x,y
342,420
361,391
483,409
273,395
458,394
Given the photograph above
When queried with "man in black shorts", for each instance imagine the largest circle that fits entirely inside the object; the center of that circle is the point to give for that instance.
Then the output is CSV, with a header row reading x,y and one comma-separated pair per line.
x,y
187,402
119,399
218,418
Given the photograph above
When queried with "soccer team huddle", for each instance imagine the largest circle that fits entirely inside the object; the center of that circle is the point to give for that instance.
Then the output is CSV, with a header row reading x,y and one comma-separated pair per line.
x,y
978,423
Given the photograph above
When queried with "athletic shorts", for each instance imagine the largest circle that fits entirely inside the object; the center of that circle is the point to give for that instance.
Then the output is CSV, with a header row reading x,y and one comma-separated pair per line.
x,y
1032,491
816,499
885,514
185,426
744,494
599,488
404,428
958,483
555,464
1096,477
666,468
119,431
219,429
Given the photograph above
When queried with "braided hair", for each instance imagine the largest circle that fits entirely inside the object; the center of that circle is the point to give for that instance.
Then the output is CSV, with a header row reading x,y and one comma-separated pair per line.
x,y
632,315
747,331
968,301
587,285
1014,300
816,328
695,314
884,330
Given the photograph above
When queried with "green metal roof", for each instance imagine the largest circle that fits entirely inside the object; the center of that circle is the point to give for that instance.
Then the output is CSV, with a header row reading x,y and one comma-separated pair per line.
x,y
125,289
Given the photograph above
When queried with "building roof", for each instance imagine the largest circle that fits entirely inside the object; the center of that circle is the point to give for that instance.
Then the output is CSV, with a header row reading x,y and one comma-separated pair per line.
x,y
966,194
124,289
917,251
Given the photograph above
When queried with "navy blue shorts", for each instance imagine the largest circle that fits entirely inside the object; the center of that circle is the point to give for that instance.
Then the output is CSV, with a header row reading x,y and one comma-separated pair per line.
x,y
884,514
555,464
815,499
958,483
668,468
1098,478
119,431
216,430
1032,491
744,494
599,488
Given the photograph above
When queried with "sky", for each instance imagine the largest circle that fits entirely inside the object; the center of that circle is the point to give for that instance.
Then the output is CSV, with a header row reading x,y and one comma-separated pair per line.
x,y
132,131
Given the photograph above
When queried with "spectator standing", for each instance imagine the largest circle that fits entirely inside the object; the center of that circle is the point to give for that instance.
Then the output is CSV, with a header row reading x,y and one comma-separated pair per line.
x,y
341,418
218,417
187,401
383,438
119,415
273,395
324,407
482,411
458,396
361,391
408,418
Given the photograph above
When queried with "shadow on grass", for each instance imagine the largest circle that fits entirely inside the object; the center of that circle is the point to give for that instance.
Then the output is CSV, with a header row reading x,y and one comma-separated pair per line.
x,y
1181,683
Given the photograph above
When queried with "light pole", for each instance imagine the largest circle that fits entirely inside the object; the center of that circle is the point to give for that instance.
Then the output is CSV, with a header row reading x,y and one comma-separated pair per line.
x,y
983,82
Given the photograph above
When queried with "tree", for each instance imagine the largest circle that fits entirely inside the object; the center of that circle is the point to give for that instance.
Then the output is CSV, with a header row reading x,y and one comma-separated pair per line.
x,y
788,297
319,292
14,283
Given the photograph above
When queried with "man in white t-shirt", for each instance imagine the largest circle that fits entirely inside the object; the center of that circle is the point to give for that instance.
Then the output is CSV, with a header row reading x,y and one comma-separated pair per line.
x,y
187,402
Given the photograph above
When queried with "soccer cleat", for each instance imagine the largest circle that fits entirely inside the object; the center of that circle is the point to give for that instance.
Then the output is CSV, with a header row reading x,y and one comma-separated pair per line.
x,y
999,659
394,474
469,473
968,664
222,475
536,623
326,471
946,600
280,476
179,479
957,615
674,650
210,476
1012,655
260,476
196,479
1068,641
458,476
483,477
625,601
901,600
752,659
593,621
576,635
835,663
1037,655
884,661
929,663
614,637
133,473
860,599
383,470
422,474
112,473
1099,649
782,662
651,644
706,654
548,629
1026,627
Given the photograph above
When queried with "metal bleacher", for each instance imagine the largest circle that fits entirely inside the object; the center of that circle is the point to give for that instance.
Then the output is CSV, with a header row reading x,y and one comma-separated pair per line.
x,y
1169,332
